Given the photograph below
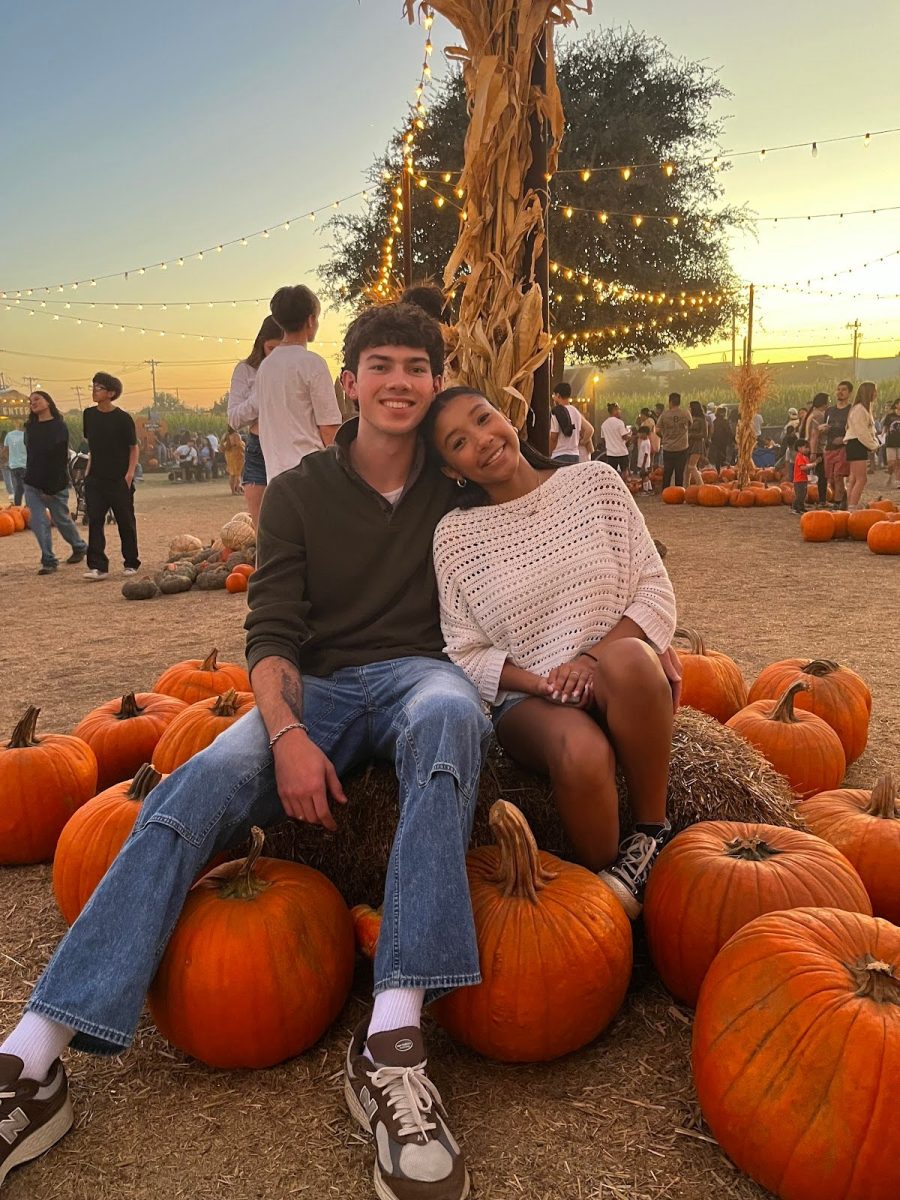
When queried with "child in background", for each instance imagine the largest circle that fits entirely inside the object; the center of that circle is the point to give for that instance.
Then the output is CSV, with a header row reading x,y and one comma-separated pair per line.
x,y
803,468
644,457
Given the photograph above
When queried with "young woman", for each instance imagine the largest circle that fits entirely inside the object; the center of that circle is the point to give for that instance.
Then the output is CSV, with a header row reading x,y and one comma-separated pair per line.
x,y
697,444
859,442
233,449
721,439
47,481
891,428
567,638
241,411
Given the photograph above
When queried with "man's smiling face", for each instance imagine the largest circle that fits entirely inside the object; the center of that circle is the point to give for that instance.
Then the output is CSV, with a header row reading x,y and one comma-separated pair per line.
x,y
393,388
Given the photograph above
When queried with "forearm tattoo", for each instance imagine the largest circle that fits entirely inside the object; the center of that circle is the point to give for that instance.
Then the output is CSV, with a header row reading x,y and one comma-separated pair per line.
x,y
292,693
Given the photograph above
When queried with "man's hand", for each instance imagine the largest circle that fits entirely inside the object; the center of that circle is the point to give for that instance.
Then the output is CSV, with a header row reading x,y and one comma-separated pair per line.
x,y
671,665
572,682
305,780
129,477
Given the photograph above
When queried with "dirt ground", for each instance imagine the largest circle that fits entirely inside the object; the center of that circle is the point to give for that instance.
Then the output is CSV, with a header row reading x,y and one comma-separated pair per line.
x,y
617,1121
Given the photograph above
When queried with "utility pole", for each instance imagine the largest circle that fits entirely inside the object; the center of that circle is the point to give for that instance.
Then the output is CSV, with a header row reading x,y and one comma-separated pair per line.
x,y
857,333
406,226
749,354
30,380
152,364
77,391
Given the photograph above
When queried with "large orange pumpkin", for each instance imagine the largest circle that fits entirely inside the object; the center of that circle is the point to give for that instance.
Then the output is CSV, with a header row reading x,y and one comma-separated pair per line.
x,y
691,494
712,682
123,733
716,876
673,495
709,475
42,782
711,495
7,525
259,965
799,745
742,498
554,946
93,837
769,497
841,523
198,726
887,506
859,523
865,827
817,526
795,1054
199,679
884,537
835,693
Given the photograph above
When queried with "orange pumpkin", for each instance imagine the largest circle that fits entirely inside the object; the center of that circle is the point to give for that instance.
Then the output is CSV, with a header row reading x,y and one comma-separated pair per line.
x,y
243,569
712,496
865,827
799,745
884,538
236,582
673,495
197,726
812,494
7,525
691,493
17,519
788,495
554,946
712,682
887,506
795,1045
770,497
859,523
93,837
716,876
728,474
742,498
817,526
835,693
366,928
259,965
199,679
123,733
709,475
841,522
26,513
42,782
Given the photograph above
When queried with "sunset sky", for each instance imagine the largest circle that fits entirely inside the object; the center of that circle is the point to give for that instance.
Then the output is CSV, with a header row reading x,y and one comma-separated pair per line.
x,y
134,134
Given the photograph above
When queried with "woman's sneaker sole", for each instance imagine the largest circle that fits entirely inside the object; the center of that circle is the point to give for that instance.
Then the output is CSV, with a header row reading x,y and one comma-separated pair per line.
x,y
43,1139
626,898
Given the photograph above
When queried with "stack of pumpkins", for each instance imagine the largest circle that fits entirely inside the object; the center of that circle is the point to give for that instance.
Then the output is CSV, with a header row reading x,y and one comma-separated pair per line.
x,y
878,526
226,564
15,518
720,489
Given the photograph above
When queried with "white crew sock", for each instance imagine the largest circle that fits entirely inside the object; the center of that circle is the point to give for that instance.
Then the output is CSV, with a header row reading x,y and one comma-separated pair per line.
x,y
39,1042
396,1008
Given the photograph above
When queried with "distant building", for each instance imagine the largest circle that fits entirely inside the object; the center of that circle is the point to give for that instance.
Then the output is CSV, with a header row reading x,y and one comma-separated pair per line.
x,y
13,404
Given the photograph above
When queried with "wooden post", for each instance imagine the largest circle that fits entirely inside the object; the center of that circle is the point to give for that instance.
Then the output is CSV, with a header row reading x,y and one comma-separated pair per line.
x,y
536,180
749,356
406,227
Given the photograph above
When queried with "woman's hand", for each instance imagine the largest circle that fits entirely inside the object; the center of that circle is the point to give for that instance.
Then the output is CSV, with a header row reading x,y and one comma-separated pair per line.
x,y
671,665
572,683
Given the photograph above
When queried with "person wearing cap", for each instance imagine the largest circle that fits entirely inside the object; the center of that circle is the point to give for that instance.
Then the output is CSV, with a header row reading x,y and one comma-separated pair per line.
x,y
710,415
789,437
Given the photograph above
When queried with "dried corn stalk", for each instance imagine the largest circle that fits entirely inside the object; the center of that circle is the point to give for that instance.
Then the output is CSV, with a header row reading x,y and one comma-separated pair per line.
x,y
752,385
499,338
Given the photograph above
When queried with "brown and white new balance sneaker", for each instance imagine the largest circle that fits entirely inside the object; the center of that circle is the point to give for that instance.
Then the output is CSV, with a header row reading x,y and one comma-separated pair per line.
x,y
416,1156
33,1116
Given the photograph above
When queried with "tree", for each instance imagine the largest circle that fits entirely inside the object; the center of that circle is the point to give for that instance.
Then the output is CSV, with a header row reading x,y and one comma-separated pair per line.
x,y
221,405
165,402
628,103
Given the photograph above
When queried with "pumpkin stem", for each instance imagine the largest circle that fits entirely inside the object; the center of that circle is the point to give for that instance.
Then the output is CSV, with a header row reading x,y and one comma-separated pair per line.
x,y
520,872
244,884
752,849
209,663
226,705
129,708
784,709
694,639
882,801
23,735
875,980
145,780
820,667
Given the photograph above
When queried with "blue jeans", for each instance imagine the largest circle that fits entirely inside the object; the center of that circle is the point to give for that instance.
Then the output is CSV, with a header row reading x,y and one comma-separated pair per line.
x,y
38,503
18,482
422,714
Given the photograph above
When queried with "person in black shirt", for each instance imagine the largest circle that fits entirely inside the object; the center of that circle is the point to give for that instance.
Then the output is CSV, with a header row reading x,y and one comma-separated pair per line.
x,y
108,484
47,481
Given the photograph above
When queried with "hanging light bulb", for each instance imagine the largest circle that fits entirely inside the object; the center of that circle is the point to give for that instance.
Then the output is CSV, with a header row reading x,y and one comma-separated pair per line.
x,y
626,173
585,175
669,169
762,156
867,141
815,150
567,213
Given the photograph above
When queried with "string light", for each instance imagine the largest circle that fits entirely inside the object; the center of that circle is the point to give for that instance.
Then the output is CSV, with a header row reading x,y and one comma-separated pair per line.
x,y
609,290
136,328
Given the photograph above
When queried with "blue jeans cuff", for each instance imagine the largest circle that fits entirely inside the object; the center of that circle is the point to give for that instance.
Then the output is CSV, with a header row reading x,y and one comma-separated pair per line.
x,y
95,1039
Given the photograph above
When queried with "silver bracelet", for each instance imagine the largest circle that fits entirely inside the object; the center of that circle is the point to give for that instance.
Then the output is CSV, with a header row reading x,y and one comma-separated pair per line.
x,y
287,729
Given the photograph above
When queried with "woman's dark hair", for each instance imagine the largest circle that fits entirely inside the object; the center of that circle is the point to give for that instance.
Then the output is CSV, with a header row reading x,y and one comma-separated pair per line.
x,y
292,306
819,400
32,418
472,496
564,419
428,297
269,331
394,325
697,409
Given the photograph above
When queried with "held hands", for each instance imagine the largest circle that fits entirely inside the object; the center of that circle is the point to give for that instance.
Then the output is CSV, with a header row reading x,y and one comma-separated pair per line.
x,y
306,780
571,683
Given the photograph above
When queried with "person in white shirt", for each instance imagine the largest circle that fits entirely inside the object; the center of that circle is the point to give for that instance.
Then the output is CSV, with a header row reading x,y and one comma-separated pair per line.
x,y
186,459
860,441
615,436
293,390
565,427
565,629
242,411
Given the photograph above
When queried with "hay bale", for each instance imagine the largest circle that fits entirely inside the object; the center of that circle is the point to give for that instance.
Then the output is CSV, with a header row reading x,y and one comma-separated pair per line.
x,y
715,776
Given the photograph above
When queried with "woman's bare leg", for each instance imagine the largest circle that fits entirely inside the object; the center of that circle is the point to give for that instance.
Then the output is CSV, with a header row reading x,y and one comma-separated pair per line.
x,y
692,474
254,493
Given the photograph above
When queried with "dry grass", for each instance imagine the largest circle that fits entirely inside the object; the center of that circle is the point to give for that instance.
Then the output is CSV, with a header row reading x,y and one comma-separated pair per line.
x,y
617,1121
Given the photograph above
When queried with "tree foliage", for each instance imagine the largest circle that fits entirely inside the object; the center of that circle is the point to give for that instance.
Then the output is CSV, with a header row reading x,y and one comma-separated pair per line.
x,y
628,102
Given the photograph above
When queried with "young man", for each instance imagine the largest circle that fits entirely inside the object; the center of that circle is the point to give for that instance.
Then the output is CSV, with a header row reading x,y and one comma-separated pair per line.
x,y
674,427
109,480
616,437
17,457
293,393
836,467
346,658
814,433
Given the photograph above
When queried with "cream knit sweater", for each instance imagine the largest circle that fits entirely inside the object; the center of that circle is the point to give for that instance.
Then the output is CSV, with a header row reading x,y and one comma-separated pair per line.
x,y
539,579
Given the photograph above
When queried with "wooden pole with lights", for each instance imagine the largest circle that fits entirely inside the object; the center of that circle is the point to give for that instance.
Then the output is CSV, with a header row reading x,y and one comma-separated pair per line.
x,y
406,223
536,180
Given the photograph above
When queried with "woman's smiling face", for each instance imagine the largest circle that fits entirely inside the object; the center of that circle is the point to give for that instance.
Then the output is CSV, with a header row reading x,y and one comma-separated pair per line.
x,y
476,441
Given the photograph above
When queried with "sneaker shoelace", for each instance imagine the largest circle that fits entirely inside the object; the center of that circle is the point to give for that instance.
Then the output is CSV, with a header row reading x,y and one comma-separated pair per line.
x,y
637,856
411,1096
